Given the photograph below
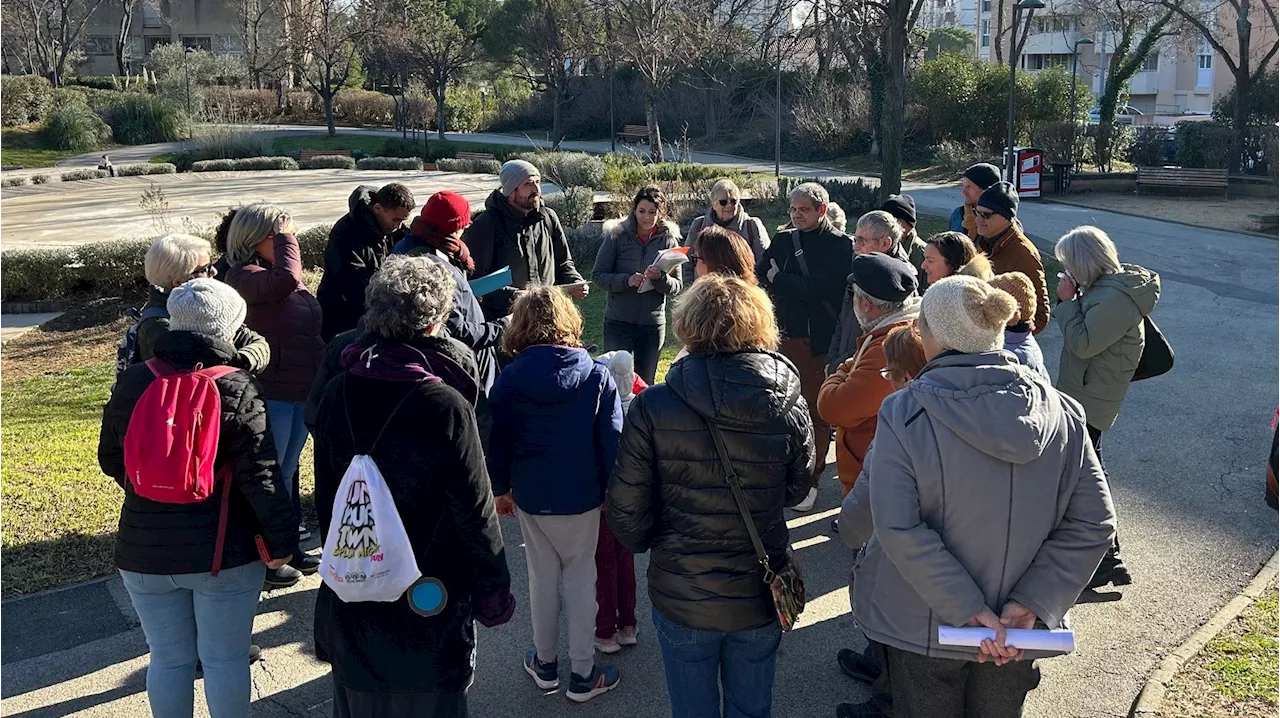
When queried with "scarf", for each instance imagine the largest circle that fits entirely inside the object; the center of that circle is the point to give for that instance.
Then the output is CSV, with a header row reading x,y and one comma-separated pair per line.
x,y
970,222
454,249
910,309
373,357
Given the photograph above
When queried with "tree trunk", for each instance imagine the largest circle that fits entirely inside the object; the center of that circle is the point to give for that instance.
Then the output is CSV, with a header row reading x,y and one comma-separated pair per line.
x,y
557,101
711,120
895,91
875,63
1240,120
327,97
440,95
651,119
998,37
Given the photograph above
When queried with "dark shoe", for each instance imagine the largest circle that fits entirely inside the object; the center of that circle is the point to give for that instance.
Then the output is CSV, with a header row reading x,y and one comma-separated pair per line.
x,y
546,675
282,577
859,710
303,532
255,655
835,526
305,563
1112,570
857,667
603,679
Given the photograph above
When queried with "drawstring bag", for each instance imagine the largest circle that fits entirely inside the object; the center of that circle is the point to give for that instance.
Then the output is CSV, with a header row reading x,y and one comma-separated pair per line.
x,y
367,555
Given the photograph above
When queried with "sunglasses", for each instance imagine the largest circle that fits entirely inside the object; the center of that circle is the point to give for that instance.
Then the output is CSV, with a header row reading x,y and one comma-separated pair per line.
x,y
729,202
693,258
207,270
984,214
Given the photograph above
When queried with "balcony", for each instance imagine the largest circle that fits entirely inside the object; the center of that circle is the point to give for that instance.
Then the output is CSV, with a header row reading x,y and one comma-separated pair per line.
x,y
1145,83
1051,43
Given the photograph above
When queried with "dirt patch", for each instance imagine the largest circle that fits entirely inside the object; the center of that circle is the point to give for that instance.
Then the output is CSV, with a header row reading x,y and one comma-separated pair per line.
x,y
1208,212
85,334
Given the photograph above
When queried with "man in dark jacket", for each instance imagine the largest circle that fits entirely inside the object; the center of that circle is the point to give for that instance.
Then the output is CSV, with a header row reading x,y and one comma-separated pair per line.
x,y
804,270
357,245
903,209
516,230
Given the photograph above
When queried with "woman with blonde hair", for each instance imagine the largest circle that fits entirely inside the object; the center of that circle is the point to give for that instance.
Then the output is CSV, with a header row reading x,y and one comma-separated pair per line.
x,y
556,421
726,211
717,629
1102,304
266,269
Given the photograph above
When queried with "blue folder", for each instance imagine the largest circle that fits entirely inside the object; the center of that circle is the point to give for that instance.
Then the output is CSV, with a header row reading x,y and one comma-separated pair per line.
x,y
491,282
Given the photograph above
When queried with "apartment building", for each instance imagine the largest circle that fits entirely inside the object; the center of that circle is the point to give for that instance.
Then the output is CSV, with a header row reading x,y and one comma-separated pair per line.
x,y
201,24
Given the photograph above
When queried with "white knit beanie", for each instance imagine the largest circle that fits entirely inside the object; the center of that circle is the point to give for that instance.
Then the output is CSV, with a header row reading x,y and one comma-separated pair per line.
x,y
966,314
206,306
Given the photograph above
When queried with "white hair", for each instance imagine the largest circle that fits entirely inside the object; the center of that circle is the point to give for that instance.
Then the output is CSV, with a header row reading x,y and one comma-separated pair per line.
x,y
881,224
250,226
407,297
725,188
882,305
1088,254
173,257
814,192
836,216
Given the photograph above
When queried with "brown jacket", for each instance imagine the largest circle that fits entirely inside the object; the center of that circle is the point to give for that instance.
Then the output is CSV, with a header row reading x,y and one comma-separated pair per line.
x,y
850,400
1013,252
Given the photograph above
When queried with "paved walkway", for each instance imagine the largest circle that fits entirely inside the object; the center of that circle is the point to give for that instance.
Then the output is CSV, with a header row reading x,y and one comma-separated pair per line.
x,y
15,325
1185,458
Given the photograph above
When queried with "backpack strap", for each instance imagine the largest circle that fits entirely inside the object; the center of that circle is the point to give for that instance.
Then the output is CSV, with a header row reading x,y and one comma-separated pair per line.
x,y
218,543
351,427
160,367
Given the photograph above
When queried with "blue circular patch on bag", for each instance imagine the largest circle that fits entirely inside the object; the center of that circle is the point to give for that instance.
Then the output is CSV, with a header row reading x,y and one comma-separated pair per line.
x,y
427,596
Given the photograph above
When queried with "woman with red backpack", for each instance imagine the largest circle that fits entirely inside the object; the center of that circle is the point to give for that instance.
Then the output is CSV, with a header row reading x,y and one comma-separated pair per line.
x,y
191,548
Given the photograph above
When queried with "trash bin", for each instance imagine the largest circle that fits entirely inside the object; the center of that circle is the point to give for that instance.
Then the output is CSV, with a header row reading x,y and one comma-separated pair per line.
x,y
1029,170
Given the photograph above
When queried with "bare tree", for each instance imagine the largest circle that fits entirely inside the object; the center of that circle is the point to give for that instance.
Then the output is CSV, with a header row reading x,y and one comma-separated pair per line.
x,y
127,9
1246,61
48,32
264,34
327,32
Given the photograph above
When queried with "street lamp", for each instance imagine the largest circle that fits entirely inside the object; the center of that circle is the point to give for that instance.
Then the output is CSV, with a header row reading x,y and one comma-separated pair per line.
x,y
1011,157
1075,63
186,67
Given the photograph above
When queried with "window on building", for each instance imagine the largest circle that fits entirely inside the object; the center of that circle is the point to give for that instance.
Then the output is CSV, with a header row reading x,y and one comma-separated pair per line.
x,y
1151,64
986,33
986,5
154,42
1204,62
150,15
1204,66
198,42
99,45
228,44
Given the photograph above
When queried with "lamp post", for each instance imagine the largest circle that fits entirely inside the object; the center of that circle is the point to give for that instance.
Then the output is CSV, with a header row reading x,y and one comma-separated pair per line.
x,y
1075,63
1011,157
186,68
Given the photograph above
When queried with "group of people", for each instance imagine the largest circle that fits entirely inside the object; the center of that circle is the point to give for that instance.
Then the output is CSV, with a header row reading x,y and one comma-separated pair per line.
x,y
918,353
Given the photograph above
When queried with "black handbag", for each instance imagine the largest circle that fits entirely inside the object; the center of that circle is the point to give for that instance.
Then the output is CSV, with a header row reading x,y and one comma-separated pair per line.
x,y
1157,355
786,585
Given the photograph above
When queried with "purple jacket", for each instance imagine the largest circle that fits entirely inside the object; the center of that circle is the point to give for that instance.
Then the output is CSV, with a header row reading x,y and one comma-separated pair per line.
x,y
282,310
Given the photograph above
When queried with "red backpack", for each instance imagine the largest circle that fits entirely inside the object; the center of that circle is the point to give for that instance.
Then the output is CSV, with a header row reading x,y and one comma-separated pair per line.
x,y
172,440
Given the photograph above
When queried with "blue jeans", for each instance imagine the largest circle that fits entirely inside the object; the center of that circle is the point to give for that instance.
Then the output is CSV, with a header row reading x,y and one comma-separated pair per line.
x,y
194,615
699,662
290,435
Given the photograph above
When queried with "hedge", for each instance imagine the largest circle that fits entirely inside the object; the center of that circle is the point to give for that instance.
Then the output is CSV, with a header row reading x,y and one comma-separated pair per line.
x,y
147,168
77,175
477,167
13,182
328,162
390,163
39,179
103,269
311,243
27,98
246,164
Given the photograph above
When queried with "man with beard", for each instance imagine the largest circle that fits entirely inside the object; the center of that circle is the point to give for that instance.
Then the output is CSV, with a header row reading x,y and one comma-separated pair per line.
x,y
517,230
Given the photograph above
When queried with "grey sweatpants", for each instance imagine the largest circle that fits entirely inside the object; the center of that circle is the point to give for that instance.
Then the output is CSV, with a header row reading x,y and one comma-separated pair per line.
x,y
555,548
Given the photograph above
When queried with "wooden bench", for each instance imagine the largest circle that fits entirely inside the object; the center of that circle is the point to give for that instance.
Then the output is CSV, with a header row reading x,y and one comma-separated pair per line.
x,y
634,133
308,154
476,156
1180,177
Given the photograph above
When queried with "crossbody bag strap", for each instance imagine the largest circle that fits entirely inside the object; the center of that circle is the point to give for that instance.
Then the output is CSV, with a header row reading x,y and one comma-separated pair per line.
x,y
351,427
739,497
804,269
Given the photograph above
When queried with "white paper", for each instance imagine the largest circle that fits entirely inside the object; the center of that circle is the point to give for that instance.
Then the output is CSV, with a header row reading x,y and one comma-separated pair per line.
x,y
1034,639
666,261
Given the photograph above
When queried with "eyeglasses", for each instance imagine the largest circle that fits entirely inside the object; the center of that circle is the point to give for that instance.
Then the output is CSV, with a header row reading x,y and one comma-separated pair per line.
x,y
983,213
887,374
693,258
205,270
729,202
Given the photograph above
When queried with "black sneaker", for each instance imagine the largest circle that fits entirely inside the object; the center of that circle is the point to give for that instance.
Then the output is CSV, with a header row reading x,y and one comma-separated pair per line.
x,y
859,710
857,667
603,679
546,675
282,577
835,526
306,564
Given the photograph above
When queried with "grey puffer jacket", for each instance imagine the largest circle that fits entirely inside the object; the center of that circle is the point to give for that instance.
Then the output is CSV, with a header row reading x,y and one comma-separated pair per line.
x,y
984,489
747,227
622,255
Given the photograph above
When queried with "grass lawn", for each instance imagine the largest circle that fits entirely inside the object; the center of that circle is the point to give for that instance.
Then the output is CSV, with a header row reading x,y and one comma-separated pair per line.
x,y
24,146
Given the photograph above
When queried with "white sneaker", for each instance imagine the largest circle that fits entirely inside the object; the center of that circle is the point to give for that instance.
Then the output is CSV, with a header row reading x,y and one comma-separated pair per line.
x,y
607,645
809,501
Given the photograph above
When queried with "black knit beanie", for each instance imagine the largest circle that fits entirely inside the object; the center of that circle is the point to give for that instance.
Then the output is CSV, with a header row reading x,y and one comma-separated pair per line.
x,y
1000,198
982,174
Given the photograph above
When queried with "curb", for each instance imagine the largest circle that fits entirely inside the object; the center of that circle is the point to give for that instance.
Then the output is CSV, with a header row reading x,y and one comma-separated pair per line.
x,y
42,307
1150,699
1158,219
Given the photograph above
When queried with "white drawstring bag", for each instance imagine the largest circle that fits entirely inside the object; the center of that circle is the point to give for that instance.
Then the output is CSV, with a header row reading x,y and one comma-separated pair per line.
x,y
367,555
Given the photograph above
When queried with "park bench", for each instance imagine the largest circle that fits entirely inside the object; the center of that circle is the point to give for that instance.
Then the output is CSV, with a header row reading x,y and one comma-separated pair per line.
x,y
309,154
1180,177
634,133
476,156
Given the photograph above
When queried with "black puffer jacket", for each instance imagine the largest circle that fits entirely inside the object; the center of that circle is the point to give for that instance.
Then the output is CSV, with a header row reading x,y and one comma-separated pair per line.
x,y
668,492
808,306
357,246
158,538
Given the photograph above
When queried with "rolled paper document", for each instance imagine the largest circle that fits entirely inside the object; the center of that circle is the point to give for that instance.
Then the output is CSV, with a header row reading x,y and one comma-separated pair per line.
x,y
1031,639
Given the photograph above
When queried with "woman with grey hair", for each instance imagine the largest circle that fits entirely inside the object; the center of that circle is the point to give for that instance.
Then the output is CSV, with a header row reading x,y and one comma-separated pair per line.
x,y
406,398
727,211
266,268
1101,308
171,261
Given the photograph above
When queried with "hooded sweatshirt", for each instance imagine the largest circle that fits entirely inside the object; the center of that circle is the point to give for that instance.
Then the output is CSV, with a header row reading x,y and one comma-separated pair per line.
x,y
357,245
556,423
984,489
1102,340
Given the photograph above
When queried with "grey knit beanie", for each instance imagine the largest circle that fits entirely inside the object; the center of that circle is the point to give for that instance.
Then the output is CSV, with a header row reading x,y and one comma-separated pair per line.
x,y
966,314
206,306
514,172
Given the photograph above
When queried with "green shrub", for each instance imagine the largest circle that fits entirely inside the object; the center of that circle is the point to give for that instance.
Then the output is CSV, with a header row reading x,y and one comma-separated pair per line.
x,y
40,179
27,98
584,242
1148,147
1203,144
363,108
462,110
101,82
108,268
241,105
183,159
329,162
87,174
63,96
855,197
103,100
477,167
390,163
226,143
568,169
102,269
35,274
575,206
147,168
625,179
77,128
245,164
13,182
143,119
311,244
400,147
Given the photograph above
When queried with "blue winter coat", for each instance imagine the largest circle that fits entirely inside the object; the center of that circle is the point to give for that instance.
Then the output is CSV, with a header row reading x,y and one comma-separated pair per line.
x,y
556,425
466,321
